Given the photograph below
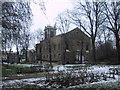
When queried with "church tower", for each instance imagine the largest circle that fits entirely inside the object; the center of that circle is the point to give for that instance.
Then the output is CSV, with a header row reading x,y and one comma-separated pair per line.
x,y
50,31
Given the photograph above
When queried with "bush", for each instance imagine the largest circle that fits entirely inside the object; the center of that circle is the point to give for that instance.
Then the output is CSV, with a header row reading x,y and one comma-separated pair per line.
x,y
106,53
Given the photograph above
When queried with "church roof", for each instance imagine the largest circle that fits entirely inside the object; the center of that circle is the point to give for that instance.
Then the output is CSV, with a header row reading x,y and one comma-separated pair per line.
x,y
72,32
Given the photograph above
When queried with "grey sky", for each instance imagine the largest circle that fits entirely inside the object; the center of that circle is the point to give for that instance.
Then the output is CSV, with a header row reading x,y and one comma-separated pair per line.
x,y
53,8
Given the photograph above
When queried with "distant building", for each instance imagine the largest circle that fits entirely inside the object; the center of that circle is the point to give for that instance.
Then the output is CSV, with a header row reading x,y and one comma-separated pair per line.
x,y
10,57
3,56
71,47
31,56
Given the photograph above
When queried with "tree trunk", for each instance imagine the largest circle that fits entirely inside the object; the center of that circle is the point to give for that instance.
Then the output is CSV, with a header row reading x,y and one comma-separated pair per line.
x,y
18,59
26,59
65,48
8,55
81,53
50,58
40,54
50,53
117,47
93,50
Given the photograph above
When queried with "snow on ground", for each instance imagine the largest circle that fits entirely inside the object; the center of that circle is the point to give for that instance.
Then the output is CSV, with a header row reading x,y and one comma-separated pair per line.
x,y
100,83
11,82
22,65
65,67
59,68
94,69
103,68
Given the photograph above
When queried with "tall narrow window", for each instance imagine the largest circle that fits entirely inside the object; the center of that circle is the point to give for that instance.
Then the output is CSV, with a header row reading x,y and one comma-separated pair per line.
x,y
58,55
44,56
54,47
58,46
78,43
54,55
66,45
52,34
87,47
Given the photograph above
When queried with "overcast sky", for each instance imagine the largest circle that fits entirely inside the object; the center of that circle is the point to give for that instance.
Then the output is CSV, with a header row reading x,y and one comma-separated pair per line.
x,y
53,8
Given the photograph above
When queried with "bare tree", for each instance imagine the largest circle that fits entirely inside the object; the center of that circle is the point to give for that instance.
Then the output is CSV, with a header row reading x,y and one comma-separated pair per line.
x,y
88,16
112,12
16,17
62,22
25,42
39,35
103,36
36,37
7,43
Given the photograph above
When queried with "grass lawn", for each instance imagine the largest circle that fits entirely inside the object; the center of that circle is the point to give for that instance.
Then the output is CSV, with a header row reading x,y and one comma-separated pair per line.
x,y
11,70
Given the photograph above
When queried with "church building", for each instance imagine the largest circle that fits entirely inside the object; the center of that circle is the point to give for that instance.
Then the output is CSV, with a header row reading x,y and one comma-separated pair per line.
x,y
68,48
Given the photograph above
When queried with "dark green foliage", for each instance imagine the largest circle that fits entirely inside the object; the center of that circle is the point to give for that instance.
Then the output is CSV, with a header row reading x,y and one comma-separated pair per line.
x,y
106,53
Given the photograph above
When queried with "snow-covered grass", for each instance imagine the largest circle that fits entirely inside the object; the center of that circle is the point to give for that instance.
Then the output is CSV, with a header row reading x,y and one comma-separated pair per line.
x,y
90,68
103,68
105,85
24,65
101,75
